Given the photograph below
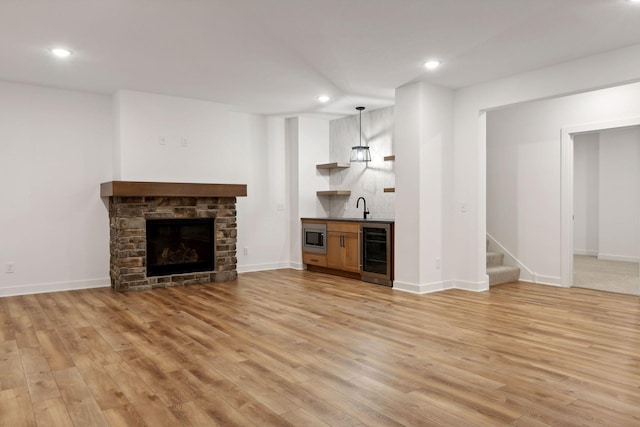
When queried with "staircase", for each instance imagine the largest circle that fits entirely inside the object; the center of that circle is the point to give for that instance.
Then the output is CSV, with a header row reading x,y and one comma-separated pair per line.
x,y
498,272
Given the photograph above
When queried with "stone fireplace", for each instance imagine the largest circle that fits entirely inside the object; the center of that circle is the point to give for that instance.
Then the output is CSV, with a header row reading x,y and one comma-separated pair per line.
x,y
177,217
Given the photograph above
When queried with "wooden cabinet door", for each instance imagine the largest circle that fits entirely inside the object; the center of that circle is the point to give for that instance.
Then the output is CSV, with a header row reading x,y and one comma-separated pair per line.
x,y
343,251
351,251
334,250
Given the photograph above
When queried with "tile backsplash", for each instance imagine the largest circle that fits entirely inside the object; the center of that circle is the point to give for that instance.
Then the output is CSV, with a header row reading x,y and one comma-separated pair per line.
x,y
363,179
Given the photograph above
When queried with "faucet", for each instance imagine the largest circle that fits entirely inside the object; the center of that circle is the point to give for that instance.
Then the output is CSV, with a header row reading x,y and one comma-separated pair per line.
x,y
366,211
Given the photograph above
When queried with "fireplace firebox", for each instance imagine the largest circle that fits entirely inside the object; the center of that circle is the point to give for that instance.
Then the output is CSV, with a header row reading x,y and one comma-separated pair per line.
x,y
177,246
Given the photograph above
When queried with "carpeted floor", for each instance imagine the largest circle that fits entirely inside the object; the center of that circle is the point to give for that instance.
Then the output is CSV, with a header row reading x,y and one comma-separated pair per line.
x,y
612,276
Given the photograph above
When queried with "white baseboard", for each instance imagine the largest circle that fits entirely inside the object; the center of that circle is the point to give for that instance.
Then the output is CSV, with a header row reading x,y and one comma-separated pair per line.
x,y
39,288
263,267
296,265
472,286
545,280
623,258
585,252
427,288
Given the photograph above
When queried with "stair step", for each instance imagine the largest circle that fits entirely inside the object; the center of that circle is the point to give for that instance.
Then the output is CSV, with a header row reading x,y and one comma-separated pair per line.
x,y
503,274
494,259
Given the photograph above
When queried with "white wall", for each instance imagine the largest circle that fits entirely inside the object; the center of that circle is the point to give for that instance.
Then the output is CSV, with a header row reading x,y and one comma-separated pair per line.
x,y
205,127
423,135
469,154
313,148
293,189
307,144
619,179
363,179
55,150
262,215
524,170
164,138
586,194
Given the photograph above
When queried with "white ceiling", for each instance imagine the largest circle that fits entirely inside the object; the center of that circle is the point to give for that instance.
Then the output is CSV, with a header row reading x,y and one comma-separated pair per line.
x,y
276,56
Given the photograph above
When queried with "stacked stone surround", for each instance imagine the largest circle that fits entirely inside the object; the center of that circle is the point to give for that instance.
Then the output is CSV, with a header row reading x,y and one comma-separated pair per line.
x,y
128,242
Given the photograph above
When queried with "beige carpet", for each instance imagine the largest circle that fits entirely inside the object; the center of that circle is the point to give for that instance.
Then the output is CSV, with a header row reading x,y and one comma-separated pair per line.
x,y
612,276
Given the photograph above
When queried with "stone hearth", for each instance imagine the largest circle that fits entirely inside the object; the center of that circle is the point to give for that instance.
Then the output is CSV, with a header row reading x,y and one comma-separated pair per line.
x,y
131,204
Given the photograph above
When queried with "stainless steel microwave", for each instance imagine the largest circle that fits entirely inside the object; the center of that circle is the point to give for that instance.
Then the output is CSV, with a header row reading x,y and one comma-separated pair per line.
x,y
314,238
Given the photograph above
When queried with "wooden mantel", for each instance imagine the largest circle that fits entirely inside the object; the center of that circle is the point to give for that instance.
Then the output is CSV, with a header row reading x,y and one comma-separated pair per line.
x,y
170,189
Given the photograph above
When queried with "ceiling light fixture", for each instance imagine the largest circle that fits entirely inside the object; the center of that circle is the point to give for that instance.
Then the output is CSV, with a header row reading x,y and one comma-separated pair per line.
x,y
60,52
324,98
432,64
360,153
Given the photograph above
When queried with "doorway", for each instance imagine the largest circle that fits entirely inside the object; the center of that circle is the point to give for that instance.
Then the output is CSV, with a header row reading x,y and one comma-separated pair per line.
x,y
603,205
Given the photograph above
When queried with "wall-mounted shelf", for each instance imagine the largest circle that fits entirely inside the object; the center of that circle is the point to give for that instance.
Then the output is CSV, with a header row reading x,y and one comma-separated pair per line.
x,y
330,166
391,158
333,166
334,193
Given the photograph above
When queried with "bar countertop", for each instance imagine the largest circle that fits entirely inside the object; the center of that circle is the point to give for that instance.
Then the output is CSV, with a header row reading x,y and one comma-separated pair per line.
x,y
370,220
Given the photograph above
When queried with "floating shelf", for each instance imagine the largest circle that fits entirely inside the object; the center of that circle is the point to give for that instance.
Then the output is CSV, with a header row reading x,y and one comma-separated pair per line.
x,y
389,158
334,193
333,166
390,190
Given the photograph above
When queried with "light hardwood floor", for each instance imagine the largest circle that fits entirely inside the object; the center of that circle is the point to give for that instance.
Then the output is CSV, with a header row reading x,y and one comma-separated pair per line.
x,y
299,348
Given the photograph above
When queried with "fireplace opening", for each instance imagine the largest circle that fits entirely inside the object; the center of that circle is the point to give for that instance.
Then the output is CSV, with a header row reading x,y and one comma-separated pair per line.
x,y
176,246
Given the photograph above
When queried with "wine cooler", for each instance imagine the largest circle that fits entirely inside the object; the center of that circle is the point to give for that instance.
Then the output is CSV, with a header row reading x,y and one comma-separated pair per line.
x,y
377,253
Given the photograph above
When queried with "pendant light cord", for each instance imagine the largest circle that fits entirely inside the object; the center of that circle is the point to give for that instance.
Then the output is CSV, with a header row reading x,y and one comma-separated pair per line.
x,y
360,109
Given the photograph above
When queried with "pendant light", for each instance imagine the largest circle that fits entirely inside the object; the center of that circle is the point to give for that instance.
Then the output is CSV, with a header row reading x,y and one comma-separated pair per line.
x,y
360,153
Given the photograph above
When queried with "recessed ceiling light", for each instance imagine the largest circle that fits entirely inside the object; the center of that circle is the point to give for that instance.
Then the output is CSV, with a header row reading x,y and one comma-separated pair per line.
x,y
633,1
432,64
60,52
324,98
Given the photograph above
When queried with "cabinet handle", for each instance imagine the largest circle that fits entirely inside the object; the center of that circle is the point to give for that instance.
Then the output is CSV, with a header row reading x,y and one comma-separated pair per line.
x,y
342,241
313,260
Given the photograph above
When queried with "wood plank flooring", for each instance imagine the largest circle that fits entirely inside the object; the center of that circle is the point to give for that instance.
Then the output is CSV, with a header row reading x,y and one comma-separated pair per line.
x,y
307,349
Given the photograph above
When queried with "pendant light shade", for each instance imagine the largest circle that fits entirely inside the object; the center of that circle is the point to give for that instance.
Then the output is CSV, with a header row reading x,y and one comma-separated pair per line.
x,y
360,153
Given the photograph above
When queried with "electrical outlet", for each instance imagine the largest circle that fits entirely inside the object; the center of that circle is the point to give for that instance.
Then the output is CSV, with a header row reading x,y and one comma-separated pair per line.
x,y
10,267
184,143
437,263
162,140
245,251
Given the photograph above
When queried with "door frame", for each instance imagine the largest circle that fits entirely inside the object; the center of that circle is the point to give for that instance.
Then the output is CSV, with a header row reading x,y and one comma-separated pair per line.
x,y
566,192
